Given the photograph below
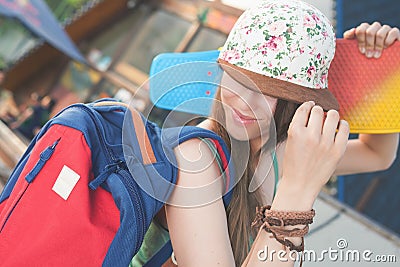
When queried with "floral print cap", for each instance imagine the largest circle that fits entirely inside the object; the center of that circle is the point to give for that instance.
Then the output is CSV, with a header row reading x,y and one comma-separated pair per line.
x,y
287,40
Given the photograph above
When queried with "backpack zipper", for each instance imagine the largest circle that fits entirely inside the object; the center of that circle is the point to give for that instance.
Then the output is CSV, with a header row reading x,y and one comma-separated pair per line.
x,y
46,154
117,166
99,133
128,182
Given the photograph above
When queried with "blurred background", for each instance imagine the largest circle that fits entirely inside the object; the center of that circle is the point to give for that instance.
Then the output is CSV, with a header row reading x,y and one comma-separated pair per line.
x,y
113,43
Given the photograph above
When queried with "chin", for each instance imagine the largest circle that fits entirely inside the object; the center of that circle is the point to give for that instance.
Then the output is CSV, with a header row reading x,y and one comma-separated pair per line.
x,y
241,133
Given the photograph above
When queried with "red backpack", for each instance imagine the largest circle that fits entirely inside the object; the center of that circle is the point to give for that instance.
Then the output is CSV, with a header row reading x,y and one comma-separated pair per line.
x,y
85,191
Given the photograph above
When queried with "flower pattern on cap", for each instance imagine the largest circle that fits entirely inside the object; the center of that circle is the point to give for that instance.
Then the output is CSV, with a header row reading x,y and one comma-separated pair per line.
x,y
288,40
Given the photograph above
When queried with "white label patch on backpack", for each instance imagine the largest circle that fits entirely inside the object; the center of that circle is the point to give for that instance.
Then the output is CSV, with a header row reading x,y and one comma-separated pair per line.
x,y
65,182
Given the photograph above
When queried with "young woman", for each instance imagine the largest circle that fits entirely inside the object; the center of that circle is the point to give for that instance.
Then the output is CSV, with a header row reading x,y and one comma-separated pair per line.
x,y
273,91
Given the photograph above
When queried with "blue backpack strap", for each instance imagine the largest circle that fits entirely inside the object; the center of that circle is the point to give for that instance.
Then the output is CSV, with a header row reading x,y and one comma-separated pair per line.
x,y
173,137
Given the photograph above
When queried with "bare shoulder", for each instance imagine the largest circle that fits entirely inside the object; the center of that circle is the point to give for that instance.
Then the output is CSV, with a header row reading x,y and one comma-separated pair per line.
x,y
196,163
194,152
206,124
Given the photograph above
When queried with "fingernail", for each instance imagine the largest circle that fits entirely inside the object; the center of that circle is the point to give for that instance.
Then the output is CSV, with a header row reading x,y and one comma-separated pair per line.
x,y
369,54
312,102
362,50
377,54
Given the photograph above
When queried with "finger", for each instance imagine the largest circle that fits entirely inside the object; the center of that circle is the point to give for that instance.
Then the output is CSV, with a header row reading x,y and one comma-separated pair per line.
x,y
316,120
380,40
301,115
350,34
370,36
360,35
392,36
330,126
342,136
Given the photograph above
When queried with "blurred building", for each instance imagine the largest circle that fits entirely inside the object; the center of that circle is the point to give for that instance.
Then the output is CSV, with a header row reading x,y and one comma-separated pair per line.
x,y
120,37
350,13
373,194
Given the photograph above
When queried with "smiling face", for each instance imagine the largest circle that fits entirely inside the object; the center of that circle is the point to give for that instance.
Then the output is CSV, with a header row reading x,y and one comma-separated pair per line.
x,y
248,113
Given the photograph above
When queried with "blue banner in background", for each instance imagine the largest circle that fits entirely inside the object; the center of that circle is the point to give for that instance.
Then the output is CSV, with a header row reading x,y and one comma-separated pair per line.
x,y
39,19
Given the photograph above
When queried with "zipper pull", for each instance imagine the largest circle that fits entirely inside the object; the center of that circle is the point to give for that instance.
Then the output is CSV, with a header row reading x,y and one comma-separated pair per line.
x,y
55,143
102,177
43,158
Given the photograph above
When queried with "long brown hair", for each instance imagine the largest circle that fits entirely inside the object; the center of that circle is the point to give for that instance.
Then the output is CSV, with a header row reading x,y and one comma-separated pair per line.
x,y
241,208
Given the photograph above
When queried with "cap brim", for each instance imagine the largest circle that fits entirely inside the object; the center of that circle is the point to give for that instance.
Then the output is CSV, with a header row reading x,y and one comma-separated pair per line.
x,y
280,89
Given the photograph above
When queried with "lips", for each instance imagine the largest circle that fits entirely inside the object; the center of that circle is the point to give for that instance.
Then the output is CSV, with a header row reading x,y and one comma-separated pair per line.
x,y
241,118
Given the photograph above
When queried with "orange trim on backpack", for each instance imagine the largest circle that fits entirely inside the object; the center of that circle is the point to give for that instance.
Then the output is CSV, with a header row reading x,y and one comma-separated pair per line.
x,y
143,139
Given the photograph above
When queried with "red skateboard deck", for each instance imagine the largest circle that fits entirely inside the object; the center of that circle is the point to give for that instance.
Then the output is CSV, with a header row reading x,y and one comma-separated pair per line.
x,y
368,89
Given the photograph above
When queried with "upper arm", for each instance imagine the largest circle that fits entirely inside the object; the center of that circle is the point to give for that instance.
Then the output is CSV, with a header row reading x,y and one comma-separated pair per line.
x,y
195,214
368,153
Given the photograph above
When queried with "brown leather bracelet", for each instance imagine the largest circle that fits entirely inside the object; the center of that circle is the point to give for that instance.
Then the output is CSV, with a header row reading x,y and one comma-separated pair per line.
x,y
280,235
275,221
290,245
287,215
292,222
282,218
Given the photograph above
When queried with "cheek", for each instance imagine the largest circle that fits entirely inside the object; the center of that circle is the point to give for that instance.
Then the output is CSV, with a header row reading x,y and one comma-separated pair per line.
x,y
270,102
227,94
228,98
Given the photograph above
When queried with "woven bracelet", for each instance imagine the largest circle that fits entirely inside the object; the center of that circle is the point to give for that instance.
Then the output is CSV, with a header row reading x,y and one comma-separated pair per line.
x,y
274,222
282,218
287,215
279,234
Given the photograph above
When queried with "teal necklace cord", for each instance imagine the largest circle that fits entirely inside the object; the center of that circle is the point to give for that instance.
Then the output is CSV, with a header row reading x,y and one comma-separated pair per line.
x,y
276,170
